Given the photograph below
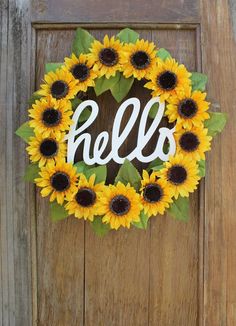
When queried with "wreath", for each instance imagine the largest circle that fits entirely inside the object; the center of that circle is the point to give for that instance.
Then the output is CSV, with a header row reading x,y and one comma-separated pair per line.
x,y
80,189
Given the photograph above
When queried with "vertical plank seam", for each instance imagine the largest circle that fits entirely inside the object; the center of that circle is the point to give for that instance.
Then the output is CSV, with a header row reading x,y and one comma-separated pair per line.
x,y
84,285
202,288
4,256
201,203
3,216
9,180
149,271
149,257
34,261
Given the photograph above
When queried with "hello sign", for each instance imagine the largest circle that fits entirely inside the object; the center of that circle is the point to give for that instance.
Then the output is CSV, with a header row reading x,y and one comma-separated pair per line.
x,y
78,135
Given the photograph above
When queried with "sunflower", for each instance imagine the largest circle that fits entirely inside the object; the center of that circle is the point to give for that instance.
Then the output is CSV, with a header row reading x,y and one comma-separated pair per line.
x,y
193,142
58,179
85,203
120,205
155,194
188,109
138,59
50,116
106,56
81,69
44,150
181,174
169,78
60,85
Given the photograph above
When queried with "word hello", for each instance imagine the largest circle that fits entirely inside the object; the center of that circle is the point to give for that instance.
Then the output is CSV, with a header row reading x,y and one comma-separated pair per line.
x,y
117,137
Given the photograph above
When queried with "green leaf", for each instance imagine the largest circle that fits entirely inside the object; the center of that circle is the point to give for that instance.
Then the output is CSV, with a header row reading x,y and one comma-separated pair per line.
x,y
80,166
103,84
75,102
31,172
127,35
153,111
163,54
155,165
35,96
100,171
57,212
85,115
86,112
52,66
216,123
82,41
25,132
122,88
99,227
179,209
128,174
202,168
198,81
142,224
88,170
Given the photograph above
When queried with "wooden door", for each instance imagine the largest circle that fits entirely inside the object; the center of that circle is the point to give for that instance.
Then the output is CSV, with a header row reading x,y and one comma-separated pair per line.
x,y
61,273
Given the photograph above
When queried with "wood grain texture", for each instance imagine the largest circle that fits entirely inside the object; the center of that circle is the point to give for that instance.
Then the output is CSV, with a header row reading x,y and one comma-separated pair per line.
x,y
62,274
218,54
129,277
60,246
17,198
70,11
174,246
118,293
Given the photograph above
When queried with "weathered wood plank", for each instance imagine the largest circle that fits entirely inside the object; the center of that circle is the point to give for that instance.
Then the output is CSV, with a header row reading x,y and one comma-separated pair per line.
x,y
60,246
218,52
117,266
150,258
17,202
174,248
101,281
173,11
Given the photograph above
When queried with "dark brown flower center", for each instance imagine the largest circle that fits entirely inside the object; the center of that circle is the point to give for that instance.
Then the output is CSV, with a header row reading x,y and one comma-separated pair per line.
x,y
80,71
108,57
167,80
60,181
189,142
48,147
177,174
120,205
140,60
152,193
59,89
51,117
187,108
85,197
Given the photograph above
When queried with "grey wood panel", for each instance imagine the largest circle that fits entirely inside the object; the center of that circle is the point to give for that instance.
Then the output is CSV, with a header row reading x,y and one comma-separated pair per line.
x,y
16,201
158,11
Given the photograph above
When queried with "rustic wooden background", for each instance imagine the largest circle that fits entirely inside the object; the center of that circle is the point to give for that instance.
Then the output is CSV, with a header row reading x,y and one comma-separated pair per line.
x,y
172,274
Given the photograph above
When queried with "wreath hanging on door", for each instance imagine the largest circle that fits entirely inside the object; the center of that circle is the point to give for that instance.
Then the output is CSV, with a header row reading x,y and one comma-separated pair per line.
x,y
80,188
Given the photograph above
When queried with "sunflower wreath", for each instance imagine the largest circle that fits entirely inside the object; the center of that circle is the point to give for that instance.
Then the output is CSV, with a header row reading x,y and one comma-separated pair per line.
x,y
80,189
